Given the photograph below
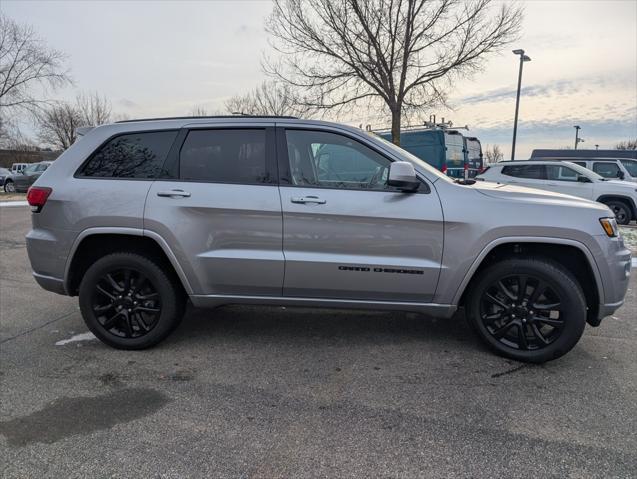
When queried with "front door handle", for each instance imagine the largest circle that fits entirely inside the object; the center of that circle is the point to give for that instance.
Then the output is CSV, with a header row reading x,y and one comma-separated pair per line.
x,y
173,194
308,199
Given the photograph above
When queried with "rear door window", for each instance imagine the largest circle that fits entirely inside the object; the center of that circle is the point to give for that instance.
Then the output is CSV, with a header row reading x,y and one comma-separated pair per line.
x,y
224,156
135,155
560,173
606,169
533,172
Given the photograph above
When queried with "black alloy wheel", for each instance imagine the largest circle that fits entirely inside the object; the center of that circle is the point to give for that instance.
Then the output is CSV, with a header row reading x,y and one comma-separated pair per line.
x,y
131,301
126,303
522,312
527,308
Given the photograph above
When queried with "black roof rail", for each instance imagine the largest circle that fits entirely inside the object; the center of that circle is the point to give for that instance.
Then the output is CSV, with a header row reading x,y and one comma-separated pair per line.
x,y
208,117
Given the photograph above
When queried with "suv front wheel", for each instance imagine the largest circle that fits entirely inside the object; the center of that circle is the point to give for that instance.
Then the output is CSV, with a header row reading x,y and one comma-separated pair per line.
x,y
528,309
129,302
621,210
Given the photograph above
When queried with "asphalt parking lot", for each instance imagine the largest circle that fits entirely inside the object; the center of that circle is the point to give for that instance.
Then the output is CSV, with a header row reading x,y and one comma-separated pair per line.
x,y
273,392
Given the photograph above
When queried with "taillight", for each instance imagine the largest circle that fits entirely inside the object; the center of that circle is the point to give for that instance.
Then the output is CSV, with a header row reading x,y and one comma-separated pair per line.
x,y
444,168
37,196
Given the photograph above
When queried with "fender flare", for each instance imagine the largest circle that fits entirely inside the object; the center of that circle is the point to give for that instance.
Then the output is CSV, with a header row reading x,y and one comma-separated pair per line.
x,y
128,232
529,239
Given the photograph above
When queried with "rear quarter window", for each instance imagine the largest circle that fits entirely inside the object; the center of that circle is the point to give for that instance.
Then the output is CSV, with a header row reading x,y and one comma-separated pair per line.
x,y
535,172
135,155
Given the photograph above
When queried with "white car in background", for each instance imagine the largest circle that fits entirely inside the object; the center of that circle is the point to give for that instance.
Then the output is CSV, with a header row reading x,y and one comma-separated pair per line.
x,y
570,179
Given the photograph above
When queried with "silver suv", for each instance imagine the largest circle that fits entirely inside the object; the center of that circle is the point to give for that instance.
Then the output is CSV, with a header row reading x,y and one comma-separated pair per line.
x,y
139,216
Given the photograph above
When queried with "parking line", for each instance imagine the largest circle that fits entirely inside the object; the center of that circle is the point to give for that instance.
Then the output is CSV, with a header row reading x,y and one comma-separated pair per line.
x,y
14,203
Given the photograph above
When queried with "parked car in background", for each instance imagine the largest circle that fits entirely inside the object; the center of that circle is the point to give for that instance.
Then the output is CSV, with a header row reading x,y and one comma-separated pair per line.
x,y
4,173
20,182
568,178
277,210
18,167
610,168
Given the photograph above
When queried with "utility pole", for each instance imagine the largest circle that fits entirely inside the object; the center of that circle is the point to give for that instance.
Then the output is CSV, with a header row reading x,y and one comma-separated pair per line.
x,y
523,58
577,138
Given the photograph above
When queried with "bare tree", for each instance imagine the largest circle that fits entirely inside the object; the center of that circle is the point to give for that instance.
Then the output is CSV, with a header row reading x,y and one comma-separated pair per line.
x,y
627,145
26,62
493,154
401,53
198,110
57,124
93,109
269,98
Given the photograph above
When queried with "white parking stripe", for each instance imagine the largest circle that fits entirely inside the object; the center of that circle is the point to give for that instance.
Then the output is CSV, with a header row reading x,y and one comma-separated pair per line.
x,y
634,262
14,203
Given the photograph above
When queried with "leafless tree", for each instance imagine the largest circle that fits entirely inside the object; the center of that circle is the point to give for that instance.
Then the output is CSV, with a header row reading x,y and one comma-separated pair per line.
x,y
26,62
57,124
627,145
269,98
401,53
93,109
493,154
198,110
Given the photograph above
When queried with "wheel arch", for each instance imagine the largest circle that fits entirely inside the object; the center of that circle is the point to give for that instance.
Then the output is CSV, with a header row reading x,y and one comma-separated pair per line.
x,y
625,199
573,255
94,243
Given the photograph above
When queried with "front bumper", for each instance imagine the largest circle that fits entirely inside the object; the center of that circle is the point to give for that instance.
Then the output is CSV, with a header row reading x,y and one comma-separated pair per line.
x,y
615,269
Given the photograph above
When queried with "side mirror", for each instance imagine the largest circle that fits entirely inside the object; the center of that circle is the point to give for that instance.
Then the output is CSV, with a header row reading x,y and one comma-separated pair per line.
x,y
583,179
621,175
403,176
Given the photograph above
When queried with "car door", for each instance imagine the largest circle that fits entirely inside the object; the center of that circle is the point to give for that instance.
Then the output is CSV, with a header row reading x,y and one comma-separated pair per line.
x,y
607,169
563,179
347,235
220,210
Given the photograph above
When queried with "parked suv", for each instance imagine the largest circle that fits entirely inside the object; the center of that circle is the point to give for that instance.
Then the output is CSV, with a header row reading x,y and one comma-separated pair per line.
x,y
568,178
139,216
609,168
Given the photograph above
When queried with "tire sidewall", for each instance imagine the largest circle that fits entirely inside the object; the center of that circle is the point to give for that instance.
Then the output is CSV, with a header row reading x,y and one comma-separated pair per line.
x,y
9,187
169,299
622,205
566,287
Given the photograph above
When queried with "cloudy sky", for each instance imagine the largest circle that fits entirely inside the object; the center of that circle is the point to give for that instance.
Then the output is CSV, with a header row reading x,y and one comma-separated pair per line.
x,y
164,58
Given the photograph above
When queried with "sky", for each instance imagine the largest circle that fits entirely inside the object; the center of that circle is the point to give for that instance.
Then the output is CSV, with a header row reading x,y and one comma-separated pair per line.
x,y
165,58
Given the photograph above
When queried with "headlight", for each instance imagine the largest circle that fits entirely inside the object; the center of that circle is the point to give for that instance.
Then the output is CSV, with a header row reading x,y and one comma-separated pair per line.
x,y
610,227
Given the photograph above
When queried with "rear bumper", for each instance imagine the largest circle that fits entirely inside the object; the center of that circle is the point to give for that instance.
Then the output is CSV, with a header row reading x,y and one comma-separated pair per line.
x,y
55,285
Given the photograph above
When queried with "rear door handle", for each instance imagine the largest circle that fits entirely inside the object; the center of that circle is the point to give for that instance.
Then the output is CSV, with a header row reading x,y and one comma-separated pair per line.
x,y
174,194
308,199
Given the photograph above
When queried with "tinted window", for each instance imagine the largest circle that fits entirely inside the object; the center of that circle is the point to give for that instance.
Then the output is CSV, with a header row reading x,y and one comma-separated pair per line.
x,y
329,160
631,167
138,155
560,173
535,172
225,156
606,169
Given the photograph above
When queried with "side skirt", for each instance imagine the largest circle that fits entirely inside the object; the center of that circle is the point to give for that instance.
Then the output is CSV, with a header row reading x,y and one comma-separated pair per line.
x,y
430,309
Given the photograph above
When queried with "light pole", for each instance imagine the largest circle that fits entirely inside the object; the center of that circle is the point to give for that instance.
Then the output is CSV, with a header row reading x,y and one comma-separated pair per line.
x,y
523,58
577,138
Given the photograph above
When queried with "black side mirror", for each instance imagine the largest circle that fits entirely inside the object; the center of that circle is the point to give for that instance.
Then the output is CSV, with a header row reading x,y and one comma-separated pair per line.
x,y
583,179
621,175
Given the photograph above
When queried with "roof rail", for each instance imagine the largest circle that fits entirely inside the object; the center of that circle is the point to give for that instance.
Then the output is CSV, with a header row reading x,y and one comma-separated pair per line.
x,y
208,117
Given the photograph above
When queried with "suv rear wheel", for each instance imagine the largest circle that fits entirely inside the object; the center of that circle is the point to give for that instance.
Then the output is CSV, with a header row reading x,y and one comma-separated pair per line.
x,y
621,210
528,309
129,302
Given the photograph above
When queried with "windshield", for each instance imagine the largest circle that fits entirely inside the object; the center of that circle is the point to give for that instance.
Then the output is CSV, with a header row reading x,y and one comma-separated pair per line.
x,y
413,159
31,168
631,167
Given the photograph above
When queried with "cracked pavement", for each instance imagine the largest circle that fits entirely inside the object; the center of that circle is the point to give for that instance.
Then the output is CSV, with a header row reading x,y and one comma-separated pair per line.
x,y
273,392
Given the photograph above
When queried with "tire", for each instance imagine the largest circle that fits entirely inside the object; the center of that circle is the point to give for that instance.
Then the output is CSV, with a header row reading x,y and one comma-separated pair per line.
x,y
514,330
138,320
9,187
621,210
